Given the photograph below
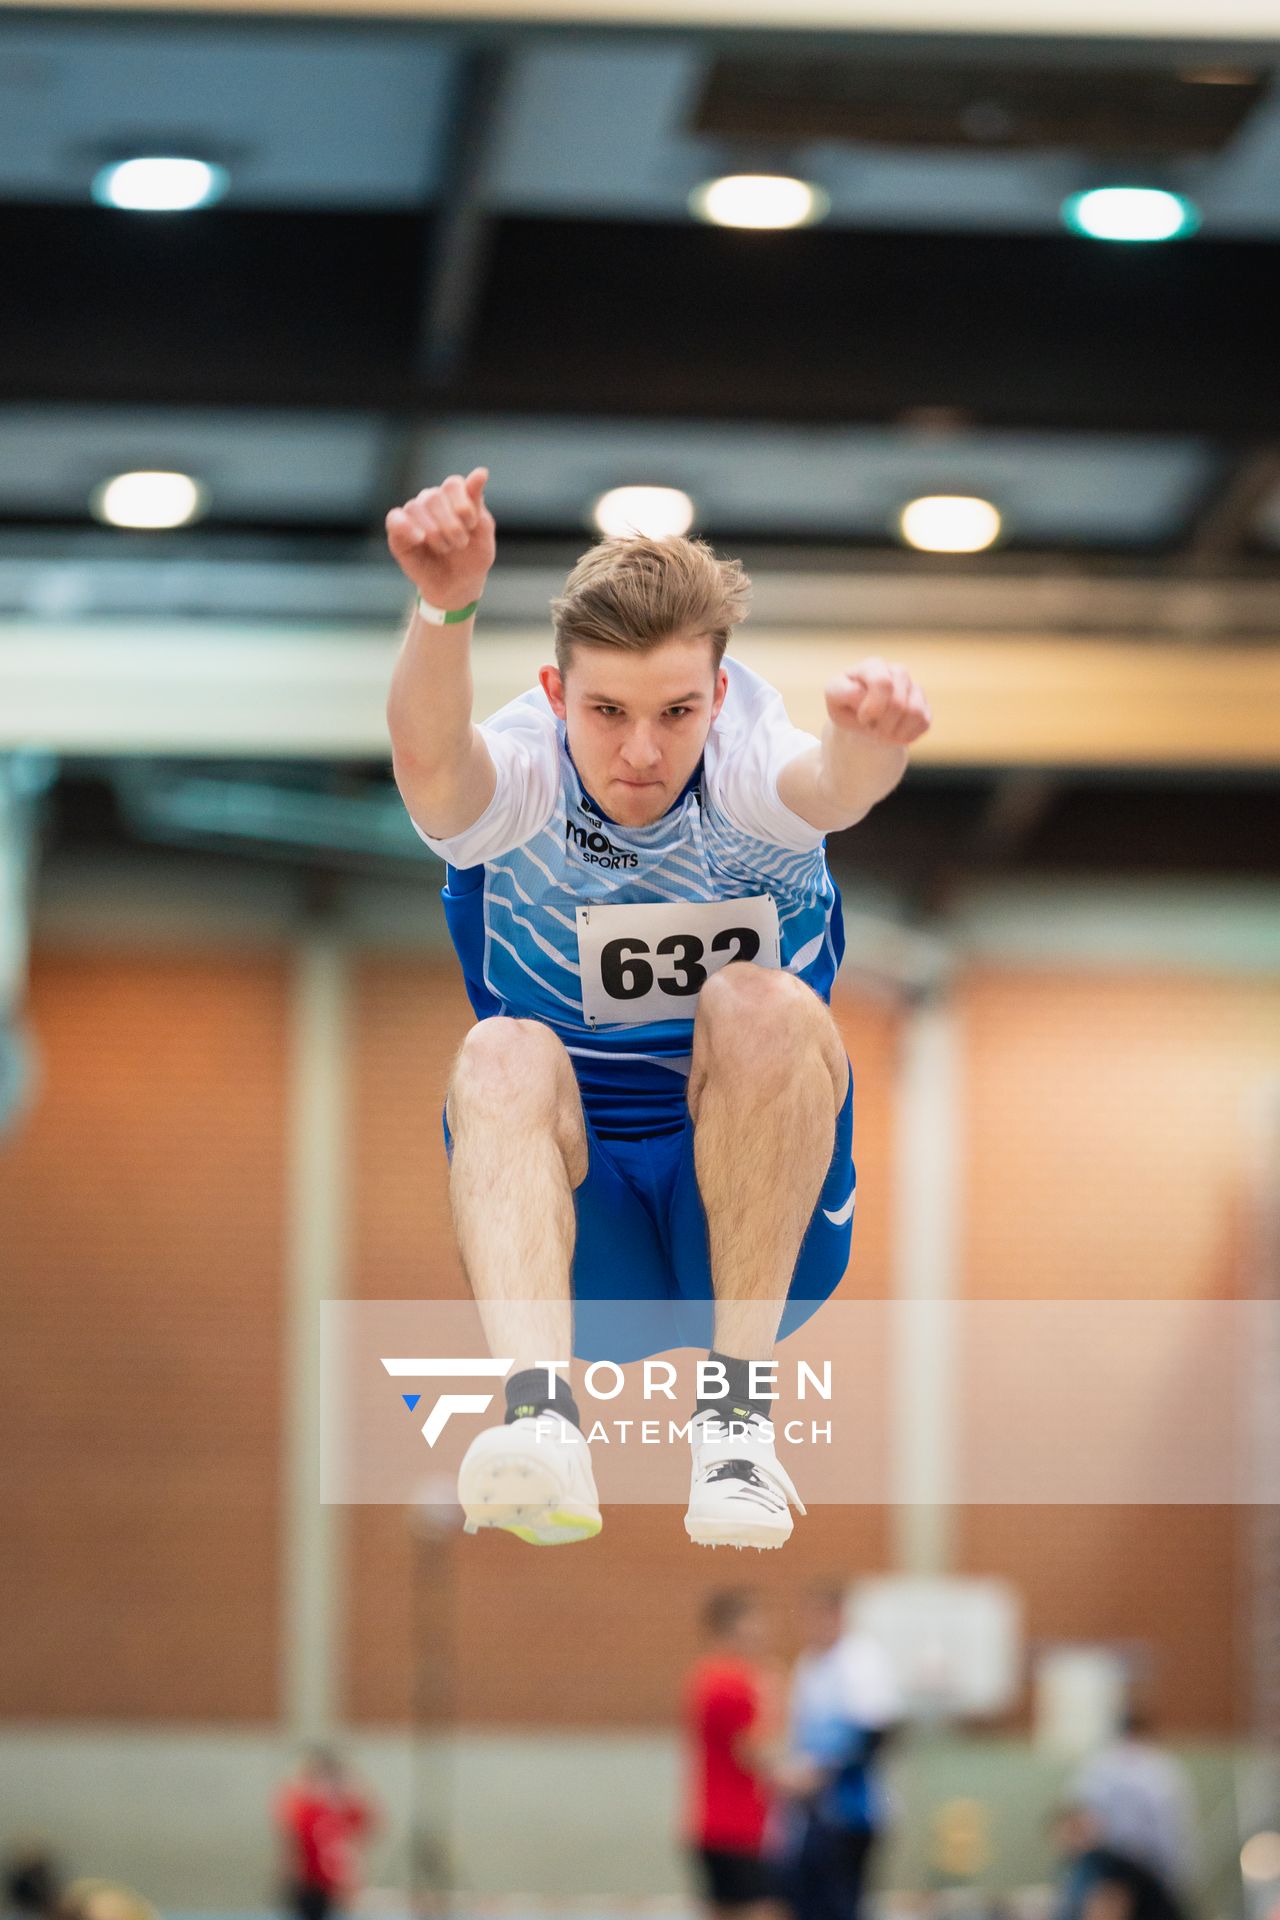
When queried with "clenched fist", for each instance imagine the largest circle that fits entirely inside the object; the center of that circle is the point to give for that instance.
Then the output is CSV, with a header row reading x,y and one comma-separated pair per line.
x,y
880,700
443,540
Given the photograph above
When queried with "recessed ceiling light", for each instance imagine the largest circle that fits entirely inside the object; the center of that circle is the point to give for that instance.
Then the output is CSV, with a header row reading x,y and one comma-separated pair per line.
x,y
949,523
655,512
149,499
1130,213
760,200
159,184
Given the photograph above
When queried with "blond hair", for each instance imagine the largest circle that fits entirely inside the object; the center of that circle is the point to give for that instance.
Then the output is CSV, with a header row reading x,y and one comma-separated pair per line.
x,y
634,592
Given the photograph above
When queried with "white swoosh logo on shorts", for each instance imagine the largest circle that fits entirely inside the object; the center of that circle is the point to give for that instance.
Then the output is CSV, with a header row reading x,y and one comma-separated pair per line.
x,y
843,1213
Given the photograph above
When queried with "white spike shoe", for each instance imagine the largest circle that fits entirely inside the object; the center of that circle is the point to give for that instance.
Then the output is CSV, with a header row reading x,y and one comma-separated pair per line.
x,y
532,1478
741,1495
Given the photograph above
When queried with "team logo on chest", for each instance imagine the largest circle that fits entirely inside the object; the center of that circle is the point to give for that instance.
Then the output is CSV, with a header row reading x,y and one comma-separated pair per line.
x,y
594,844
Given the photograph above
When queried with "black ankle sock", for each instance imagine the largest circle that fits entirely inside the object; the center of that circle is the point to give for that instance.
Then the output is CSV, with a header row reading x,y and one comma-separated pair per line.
x,y
528,1395
737,1403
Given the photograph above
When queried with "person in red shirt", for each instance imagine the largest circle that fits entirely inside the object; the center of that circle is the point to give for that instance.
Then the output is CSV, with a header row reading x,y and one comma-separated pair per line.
x,y
729,1719
321,1819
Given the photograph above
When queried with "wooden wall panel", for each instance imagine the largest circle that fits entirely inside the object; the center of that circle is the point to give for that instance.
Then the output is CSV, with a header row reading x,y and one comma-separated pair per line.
x,y
1105,1120
141,1251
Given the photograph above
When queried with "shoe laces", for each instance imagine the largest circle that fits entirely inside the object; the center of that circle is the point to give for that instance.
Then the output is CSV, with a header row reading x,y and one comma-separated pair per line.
x,y
754,1487
763,1481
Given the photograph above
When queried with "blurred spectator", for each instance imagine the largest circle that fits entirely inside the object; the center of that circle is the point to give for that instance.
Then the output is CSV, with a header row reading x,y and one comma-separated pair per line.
x,y
845,1704
321,1818
960,1850
1142,1805
1098,1883
31,1879
92,1899
730,1715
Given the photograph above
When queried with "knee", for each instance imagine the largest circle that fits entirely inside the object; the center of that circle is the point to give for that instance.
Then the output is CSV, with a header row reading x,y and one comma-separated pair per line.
x,y
510,1067
755,1020
743,1004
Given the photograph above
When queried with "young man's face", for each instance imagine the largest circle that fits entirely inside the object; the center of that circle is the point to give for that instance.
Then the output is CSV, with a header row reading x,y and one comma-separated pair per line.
x,y
637,722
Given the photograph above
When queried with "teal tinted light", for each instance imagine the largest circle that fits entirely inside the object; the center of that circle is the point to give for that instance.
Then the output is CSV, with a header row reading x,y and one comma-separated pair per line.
x,y
159,184
1130,213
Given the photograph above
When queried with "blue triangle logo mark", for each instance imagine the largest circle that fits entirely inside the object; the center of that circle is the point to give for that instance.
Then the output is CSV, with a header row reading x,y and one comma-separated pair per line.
x,y
411,1400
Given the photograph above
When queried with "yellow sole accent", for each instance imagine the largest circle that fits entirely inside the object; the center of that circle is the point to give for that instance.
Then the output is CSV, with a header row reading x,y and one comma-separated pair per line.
x,y
539,1526
571,1526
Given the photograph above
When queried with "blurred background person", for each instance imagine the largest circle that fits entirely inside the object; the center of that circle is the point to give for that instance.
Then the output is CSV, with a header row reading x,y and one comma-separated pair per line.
x,y
1142,1806
845,1704
731,1728
1097,1882
960,1850
322,1818
31,1878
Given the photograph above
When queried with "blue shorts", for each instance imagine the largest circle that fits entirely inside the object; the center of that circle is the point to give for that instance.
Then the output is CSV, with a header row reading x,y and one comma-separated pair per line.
x,y
641,1267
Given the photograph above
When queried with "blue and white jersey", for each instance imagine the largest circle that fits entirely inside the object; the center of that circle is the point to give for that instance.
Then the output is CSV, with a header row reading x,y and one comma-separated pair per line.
x,y
541,899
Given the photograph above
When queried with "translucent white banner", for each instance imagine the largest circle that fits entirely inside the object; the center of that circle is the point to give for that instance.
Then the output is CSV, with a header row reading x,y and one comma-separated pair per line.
x,y
1097,1402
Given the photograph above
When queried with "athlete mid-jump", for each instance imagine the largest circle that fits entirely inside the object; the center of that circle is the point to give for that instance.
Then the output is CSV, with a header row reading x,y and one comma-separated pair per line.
x,y
655,1104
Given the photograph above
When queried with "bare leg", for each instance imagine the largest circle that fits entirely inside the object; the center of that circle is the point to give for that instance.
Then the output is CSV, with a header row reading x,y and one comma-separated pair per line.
x,y
768,1077
520,1149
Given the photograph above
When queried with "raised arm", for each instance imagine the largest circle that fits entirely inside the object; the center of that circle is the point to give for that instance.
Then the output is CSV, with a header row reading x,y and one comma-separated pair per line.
x,y
874,713
443,542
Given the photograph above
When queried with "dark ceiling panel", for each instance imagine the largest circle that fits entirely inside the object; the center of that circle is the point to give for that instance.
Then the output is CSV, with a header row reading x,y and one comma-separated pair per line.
x,y
927,838
916,101
1159,824
647,319
304,308
1163,826
824,325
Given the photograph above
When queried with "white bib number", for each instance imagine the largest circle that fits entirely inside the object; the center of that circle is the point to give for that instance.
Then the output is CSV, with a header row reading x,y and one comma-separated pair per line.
x,y
651,962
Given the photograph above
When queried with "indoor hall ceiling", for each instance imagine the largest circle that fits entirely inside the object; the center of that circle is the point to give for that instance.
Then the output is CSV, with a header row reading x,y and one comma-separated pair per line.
x,y
942,133
274,469
448,245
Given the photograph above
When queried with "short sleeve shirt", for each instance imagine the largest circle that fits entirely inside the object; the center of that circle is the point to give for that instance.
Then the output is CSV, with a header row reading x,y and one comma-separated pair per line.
x,y
726,1803
542,850
837,1698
